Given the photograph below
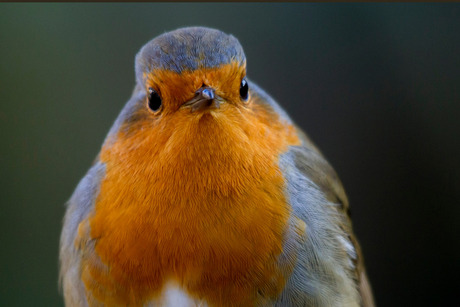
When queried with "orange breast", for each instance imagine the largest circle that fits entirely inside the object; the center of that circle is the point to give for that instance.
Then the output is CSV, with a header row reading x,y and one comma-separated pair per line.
x,y
197,200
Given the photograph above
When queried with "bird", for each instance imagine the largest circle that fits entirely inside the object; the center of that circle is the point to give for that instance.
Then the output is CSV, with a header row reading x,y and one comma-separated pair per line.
x,y
206,193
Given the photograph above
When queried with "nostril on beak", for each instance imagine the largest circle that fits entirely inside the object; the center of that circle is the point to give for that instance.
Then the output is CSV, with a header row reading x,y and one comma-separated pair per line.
x,y
207,93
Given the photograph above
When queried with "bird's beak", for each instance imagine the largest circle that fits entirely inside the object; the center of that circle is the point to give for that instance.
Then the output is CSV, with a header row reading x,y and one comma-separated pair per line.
x,y
204,98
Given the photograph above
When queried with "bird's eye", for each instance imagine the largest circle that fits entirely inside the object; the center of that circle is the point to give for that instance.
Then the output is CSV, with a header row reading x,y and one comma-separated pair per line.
x,y
154,100
244,89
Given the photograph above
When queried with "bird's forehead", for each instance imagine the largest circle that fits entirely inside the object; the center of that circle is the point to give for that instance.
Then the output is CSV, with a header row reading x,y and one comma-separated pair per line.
x,y
188,49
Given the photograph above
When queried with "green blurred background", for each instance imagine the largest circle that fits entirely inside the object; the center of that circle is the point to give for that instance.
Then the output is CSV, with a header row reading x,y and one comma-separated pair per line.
x,y
375,86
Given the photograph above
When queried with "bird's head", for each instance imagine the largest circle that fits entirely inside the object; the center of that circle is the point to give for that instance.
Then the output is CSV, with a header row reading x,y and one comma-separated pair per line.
x,y
187,78
192,70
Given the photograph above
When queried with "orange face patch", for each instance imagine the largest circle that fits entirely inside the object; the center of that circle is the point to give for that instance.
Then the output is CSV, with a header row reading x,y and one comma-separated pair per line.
x,y
175,89
193,197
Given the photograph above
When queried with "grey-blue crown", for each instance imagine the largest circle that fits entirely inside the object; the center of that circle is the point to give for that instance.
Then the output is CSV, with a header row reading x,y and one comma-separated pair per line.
x,y
188,49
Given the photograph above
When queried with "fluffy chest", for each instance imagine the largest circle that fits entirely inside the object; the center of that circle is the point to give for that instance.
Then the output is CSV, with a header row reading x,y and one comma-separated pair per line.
x,y
211,216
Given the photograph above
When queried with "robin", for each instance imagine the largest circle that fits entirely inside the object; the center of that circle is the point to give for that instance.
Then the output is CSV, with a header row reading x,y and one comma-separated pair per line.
x,y
205,193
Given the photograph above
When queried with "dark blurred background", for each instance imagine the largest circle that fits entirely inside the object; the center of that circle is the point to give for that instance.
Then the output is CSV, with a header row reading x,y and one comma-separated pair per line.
x,y
375,86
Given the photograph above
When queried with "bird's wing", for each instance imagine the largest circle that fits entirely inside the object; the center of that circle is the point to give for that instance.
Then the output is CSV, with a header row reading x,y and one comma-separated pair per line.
x,y
73,233
329,270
